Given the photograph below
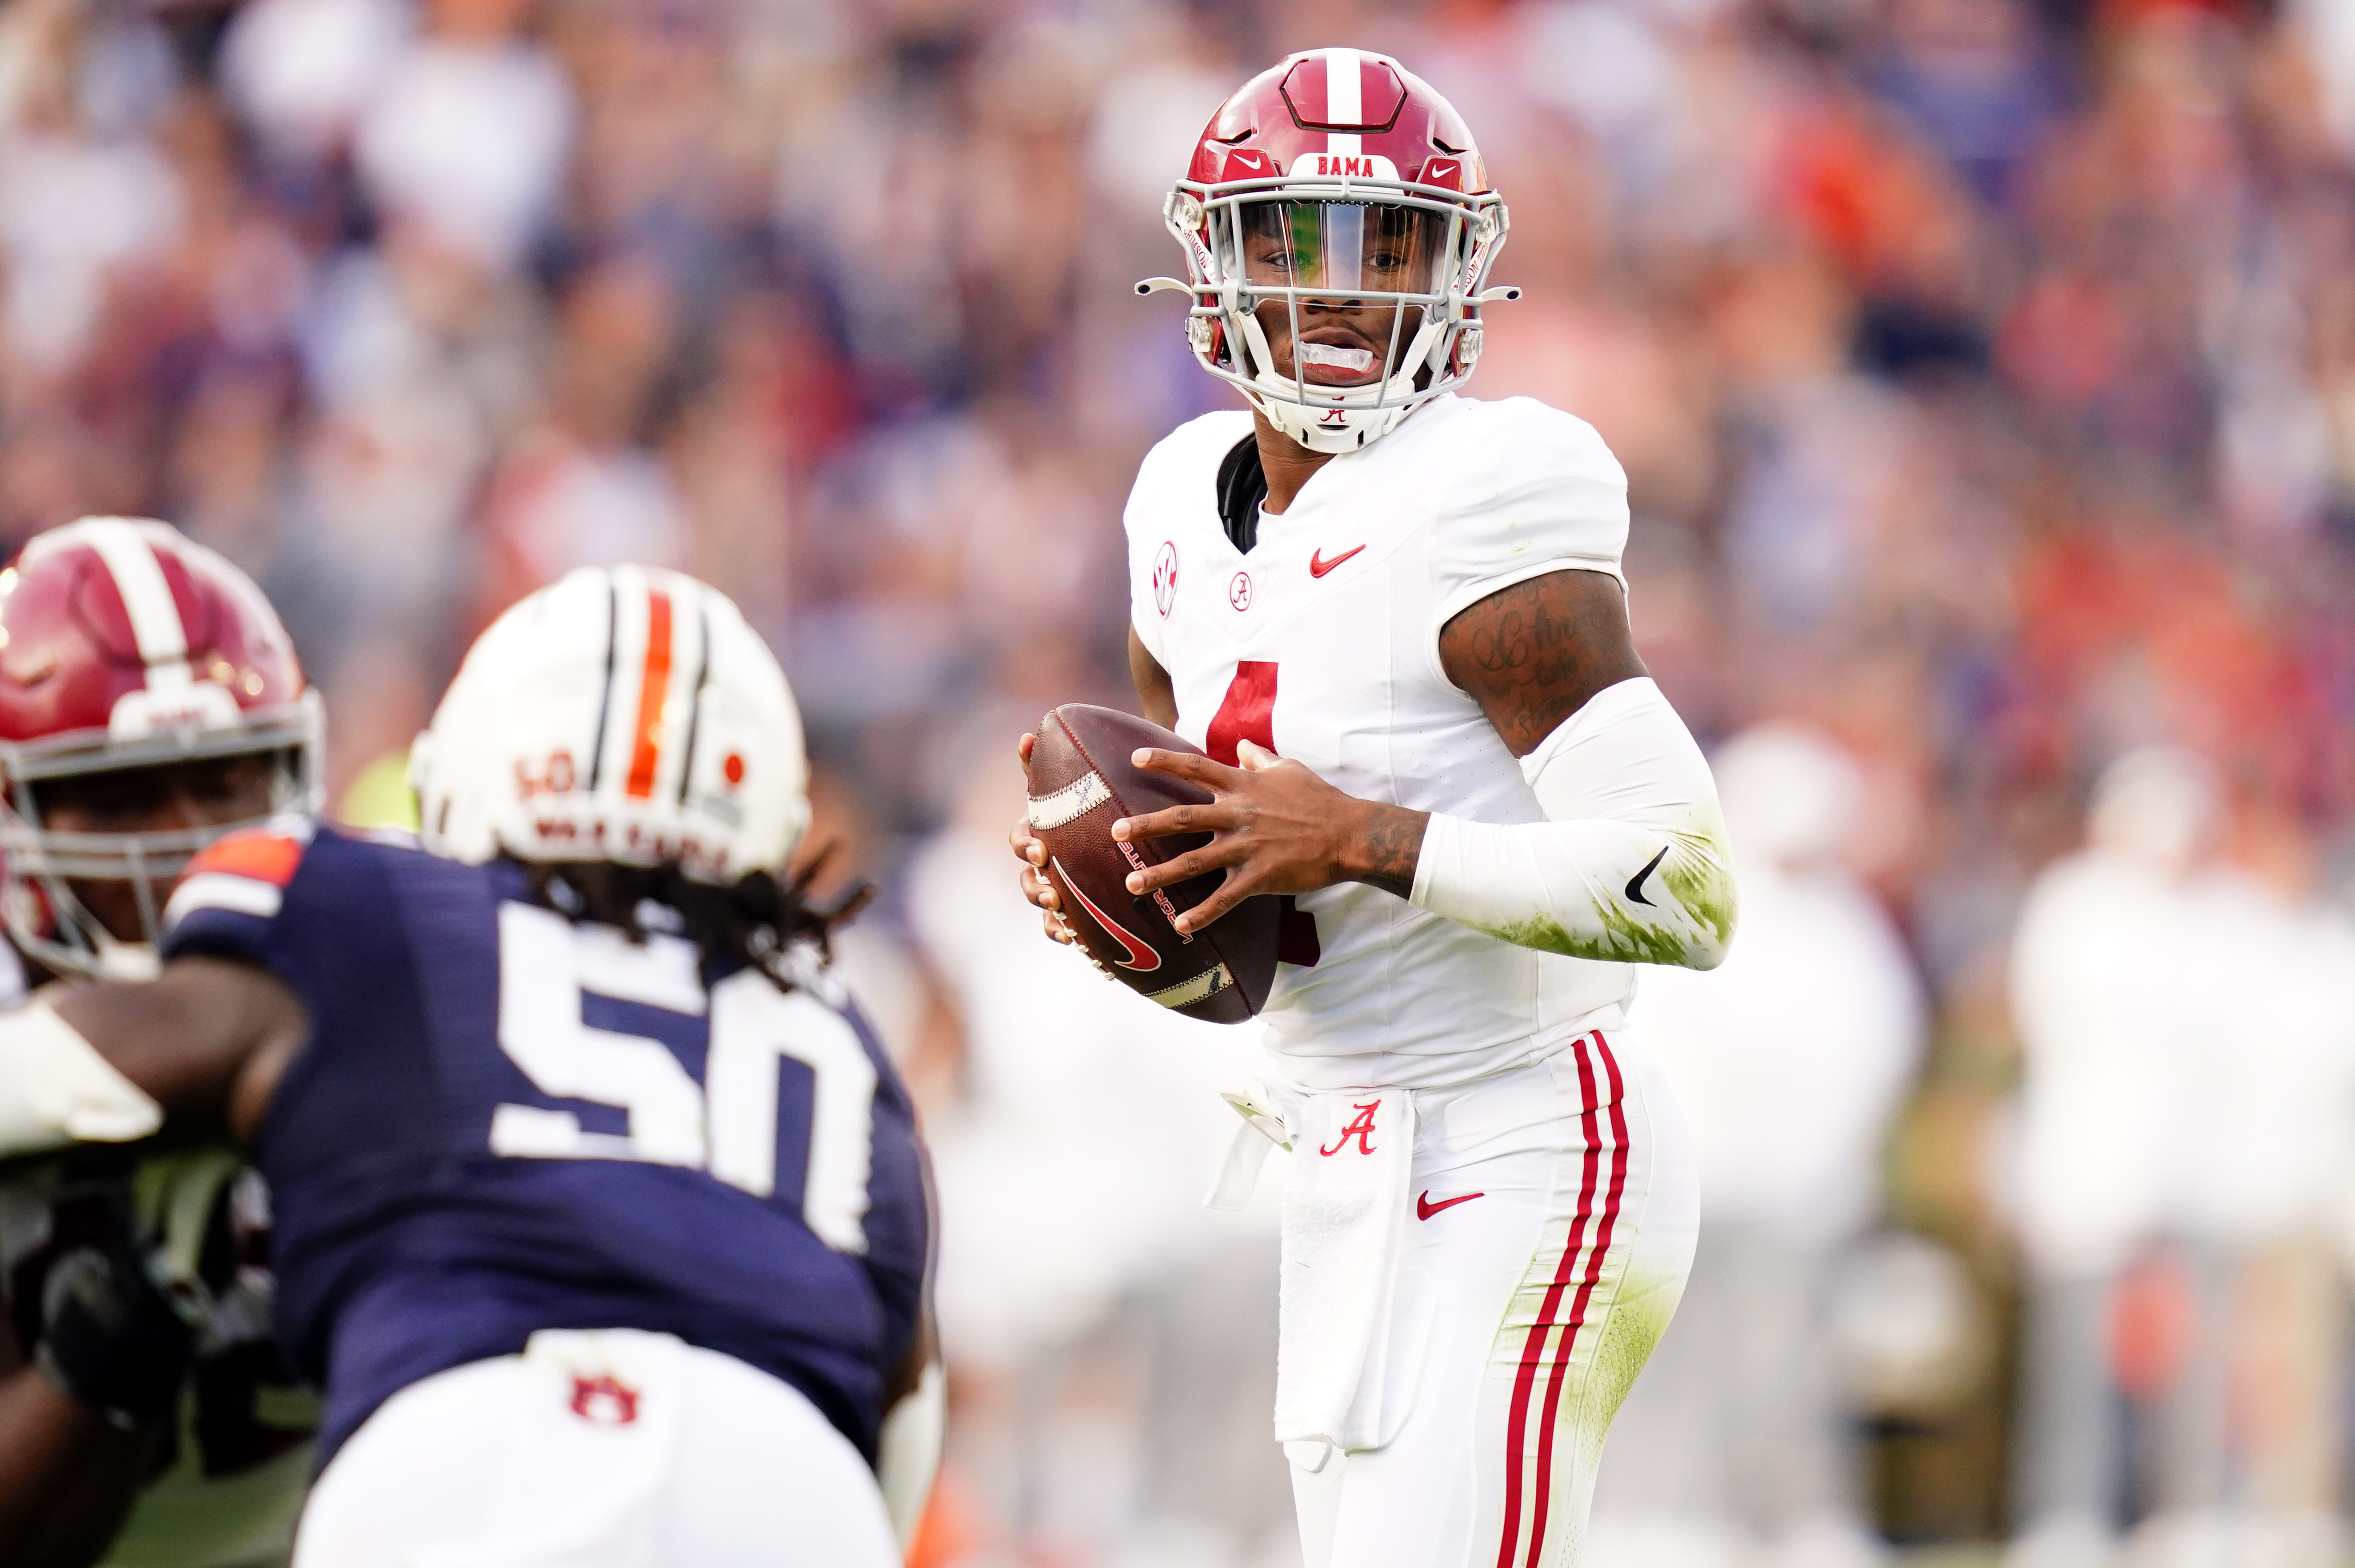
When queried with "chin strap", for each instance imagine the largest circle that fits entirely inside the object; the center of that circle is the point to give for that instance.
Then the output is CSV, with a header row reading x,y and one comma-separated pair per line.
x,y
1360,425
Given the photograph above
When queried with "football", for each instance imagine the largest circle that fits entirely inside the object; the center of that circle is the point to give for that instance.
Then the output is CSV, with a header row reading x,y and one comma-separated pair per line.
x,y
1081,782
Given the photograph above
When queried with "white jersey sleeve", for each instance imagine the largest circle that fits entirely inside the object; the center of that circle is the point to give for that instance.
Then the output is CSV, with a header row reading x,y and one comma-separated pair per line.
x,y
1188,457
1540,493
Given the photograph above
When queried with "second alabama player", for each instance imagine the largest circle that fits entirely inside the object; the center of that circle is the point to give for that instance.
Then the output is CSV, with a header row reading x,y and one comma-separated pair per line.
x,y
150,703
1395,619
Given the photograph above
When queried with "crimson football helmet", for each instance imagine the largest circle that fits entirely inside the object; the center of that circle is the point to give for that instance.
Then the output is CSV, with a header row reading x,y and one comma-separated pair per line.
x,y
123,645
1340,185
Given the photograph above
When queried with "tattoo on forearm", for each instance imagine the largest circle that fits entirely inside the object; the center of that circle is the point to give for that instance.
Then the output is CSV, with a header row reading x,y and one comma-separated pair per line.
x,y
1532,654
1390,848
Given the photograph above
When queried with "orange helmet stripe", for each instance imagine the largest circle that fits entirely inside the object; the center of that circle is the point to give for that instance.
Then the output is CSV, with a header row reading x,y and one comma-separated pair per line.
x,y
654,695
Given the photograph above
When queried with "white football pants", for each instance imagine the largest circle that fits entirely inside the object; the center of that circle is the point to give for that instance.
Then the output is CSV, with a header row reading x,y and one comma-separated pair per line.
x,y
606,1449
1525,1314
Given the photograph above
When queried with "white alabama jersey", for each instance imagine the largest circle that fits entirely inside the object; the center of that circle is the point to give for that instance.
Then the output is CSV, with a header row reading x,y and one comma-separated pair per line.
x,y
1322,642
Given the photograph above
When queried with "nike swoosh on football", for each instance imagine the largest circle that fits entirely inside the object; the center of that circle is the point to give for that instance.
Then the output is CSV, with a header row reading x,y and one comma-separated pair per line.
x,y
1425,1208
1636,882
1141,958
1318,566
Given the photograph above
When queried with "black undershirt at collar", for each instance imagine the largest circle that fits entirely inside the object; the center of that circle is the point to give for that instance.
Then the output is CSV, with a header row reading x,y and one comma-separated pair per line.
x,y
1242,485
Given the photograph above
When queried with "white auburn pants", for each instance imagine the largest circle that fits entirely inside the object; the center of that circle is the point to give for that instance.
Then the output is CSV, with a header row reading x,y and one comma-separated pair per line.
x,y
605,1449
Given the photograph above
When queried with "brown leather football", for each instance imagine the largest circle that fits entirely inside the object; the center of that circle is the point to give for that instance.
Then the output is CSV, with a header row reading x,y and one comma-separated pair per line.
x,y
1081,782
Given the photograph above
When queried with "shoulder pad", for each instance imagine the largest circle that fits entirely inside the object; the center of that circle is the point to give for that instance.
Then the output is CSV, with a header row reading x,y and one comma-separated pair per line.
x,y
246,871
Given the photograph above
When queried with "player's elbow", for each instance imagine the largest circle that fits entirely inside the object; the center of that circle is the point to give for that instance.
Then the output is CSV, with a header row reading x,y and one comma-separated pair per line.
x,y
1713,910
1707,952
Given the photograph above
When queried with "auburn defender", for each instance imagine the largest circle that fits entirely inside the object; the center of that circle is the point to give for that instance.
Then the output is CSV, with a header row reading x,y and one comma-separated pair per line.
x,y
601,1219
1395,619
150,703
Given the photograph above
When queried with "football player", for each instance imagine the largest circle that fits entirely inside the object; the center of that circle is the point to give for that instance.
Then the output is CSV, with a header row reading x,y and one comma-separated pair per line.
x,y
1395,620
150,702
601,1219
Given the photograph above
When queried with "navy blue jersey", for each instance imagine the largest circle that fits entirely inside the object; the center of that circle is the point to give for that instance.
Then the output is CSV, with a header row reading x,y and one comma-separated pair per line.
x,y
505,1121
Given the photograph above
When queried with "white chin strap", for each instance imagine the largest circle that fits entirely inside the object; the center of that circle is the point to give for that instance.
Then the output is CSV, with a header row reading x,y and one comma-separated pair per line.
x,y
1367,415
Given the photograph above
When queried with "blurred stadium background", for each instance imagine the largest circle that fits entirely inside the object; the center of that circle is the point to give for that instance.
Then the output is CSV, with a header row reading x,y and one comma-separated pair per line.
x,y
1984,375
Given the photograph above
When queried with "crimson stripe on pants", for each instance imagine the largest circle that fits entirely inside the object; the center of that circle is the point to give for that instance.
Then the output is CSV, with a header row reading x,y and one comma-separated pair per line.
x,y
1533,1349
1601,1251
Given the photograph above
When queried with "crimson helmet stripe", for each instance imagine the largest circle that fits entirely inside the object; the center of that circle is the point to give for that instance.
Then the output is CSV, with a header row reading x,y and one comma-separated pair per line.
x,y
156,625
654,697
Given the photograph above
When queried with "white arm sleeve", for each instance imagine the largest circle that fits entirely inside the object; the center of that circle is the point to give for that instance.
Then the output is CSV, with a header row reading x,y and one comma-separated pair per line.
x,y
56,1088
1629,865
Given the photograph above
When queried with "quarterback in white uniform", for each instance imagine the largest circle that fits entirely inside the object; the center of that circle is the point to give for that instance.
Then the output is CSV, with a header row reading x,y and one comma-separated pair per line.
x,y
1394,618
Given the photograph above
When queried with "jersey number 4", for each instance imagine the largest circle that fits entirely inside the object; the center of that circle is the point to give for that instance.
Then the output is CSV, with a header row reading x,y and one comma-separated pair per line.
x,y
726,1125
1247,713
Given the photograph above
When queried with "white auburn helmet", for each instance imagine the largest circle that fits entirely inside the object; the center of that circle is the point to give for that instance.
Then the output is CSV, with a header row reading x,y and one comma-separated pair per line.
x,y
1336,178
625,714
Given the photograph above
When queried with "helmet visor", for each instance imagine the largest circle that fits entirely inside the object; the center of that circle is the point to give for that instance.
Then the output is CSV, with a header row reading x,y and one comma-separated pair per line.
x,y
1344,248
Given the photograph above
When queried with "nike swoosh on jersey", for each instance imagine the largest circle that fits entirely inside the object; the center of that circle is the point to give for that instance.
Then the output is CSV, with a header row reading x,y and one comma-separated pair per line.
x,y
1141,958
1425,1208
1318,566
1636,882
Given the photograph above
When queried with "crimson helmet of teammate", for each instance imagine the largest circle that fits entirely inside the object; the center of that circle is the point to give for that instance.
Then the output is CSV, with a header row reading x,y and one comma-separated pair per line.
x,y
1337,177
125,645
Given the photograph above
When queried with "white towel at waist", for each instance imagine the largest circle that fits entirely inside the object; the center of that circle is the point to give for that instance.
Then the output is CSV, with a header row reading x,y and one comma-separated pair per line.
x,y
1345,1206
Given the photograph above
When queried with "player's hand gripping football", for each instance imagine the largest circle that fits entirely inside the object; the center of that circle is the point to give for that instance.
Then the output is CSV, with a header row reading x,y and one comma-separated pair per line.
x,y
1033,853
1276,827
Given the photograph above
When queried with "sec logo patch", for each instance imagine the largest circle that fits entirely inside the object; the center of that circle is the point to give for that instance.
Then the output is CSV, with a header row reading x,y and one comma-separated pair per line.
x,y
1238,592
1164,578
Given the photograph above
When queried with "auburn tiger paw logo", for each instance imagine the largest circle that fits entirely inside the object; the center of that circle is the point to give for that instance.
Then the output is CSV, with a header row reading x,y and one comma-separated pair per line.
x,y
605,1401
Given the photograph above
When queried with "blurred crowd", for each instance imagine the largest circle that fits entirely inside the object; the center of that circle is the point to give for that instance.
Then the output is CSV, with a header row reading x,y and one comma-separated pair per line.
x,y
1984,375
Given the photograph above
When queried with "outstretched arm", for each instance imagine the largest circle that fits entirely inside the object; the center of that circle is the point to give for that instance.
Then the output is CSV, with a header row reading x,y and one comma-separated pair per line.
x,y
68,1475
83,1415
1629,864
112,1061
102,1062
